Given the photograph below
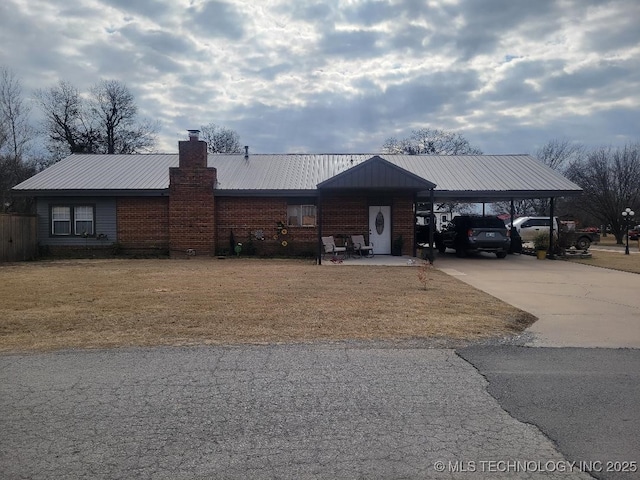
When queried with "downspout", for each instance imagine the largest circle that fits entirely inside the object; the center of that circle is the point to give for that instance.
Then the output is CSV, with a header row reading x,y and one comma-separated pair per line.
x,y
415,236
551,222
512,229
319,259
432,226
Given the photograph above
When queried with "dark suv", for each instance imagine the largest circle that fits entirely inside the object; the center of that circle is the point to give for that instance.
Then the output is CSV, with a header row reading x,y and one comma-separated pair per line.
x,y
475,233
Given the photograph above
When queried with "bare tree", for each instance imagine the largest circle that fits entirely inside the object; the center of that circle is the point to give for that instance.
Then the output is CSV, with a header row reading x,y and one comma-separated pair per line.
x,y
66,123
13,172
430,141
220,139
556,154
106,123
609,178
15,134
113,108
15,129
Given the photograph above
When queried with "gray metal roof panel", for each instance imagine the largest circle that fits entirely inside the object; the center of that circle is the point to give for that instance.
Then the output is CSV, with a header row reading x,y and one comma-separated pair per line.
x,y
105,172
290,172
279,171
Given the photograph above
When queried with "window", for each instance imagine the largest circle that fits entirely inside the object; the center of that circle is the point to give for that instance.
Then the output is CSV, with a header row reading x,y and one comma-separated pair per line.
x,y
83,217
77,220
61,221
301,215
536,222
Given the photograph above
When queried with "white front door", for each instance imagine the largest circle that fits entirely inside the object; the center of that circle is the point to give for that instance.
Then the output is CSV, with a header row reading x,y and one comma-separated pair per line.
x,y
380,229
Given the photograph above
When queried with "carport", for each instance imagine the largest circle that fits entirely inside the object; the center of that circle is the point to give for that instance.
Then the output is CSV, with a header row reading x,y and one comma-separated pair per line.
x,y
495,178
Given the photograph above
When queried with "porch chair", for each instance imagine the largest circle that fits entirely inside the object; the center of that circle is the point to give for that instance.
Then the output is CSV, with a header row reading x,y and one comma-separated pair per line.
x,y
360,246
330,246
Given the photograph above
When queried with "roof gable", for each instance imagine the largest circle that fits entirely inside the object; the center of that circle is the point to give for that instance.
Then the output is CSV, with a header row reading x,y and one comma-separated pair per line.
x,y
377,173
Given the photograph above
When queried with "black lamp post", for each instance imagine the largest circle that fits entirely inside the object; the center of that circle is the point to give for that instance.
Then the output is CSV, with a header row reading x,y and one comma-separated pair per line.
x,y
627,214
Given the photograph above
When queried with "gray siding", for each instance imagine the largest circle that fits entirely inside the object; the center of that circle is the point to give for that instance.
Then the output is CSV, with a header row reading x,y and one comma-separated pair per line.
x,y
105,221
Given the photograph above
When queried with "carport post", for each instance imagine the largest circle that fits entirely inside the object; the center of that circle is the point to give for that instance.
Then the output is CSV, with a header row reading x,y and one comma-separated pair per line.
x,y
432,226
513,213
319,217
551,255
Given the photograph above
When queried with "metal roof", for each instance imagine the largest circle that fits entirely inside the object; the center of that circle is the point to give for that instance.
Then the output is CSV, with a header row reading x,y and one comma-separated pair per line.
x,y
470,177
376,173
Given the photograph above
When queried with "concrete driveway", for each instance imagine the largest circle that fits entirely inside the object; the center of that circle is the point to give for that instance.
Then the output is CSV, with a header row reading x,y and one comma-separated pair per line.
x,y
577,305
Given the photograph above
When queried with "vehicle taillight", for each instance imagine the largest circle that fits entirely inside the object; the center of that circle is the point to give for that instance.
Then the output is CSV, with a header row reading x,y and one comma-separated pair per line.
x,y
470,232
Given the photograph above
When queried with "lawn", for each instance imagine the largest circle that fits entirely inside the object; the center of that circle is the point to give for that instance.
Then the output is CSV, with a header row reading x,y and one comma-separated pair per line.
x,y
614,258
53,305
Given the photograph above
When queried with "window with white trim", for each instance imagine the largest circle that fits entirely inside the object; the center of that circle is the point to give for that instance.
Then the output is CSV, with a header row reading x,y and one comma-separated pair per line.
x,y
301,215
83,220
72,220
61,221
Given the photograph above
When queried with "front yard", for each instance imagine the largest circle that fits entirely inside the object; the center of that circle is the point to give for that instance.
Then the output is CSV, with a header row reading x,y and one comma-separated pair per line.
x,y
614,258
111,303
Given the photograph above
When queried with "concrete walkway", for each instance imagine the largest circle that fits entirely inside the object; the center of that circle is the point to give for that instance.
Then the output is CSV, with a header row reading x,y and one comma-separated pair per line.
x,y
378,260
577,305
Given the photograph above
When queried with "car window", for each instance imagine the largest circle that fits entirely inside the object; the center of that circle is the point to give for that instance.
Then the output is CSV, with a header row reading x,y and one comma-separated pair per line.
x,y
487,222
540,222
464,222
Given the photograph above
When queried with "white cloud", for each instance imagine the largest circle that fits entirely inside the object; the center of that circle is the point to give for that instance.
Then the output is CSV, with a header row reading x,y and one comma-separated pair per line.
x,y
339,76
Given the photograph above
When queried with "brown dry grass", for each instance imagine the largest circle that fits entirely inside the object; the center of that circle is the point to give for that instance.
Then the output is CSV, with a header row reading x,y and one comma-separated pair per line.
x,y
111,303
615,260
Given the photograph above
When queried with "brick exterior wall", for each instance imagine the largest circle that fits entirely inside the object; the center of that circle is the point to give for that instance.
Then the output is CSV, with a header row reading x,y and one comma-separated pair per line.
x,y
143,223
403,222
191,201
246,216
345,215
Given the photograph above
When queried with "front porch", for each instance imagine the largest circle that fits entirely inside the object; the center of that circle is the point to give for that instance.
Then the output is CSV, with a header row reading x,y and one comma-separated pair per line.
x,y
376,199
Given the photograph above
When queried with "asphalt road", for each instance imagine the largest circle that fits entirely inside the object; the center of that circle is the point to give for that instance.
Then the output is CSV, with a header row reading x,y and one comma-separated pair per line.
x,y
587,401
348,410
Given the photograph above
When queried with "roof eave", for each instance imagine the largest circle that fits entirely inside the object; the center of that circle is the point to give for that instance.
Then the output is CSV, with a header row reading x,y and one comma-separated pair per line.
x,y
264,193
489,196
92,192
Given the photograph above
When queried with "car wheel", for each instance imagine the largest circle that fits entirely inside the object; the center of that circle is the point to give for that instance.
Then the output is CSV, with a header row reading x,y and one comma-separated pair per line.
x,y
442,248
501,254
583,243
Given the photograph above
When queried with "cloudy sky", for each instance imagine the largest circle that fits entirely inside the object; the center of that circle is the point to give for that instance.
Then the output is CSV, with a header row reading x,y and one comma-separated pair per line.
x,y
334,76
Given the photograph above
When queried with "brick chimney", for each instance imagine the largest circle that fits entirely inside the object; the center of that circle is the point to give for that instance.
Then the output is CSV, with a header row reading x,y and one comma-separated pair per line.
x,y
191,201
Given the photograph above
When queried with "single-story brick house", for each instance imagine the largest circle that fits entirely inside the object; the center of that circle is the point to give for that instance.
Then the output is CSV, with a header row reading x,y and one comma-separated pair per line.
x,y
272,204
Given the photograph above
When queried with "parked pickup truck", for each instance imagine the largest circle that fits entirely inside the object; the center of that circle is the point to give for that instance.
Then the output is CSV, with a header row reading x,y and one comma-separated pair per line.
x,y
634,233
565,231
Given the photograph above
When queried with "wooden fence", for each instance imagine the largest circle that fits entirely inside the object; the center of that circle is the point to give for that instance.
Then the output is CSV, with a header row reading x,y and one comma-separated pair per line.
x,y
18,237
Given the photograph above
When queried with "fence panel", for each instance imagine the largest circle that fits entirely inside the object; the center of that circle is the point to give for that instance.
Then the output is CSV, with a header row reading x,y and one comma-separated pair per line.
x,y
18,237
